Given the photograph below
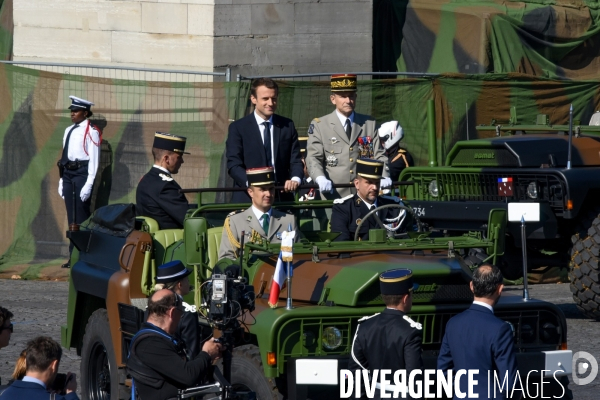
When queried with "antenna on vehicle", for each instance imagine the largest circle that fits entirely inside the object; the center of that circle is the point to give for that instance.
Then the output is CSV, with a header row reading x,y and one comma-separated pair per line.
x,y
570,135
524,212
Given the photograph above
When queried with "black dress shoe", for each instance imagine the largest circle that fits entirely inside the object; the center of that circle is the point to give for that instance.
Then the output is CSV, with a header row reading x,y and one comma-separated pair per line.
x,y
66,265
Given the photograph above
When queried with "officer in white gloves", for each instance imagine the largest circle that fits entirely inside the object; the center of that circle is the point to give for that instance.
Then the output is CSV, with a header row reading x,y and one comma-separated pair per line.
x,y
79,163
337,140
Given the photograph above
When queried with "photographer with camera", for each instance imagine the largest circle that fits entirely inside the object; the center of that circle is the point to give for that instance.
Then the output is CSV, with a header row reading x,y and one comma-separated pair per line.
x,y
43,358
157,360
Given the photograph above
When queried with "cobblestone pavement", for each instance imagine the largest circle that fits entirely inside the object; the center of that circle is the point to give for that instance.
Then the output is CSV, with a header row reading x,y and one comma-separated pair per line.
x,y
40,309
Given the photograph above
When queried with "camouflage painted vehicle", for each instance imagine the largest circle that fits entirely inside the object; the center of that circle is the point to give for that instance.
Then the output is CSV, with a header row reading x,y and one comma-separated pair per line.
x,y
334,285
532,162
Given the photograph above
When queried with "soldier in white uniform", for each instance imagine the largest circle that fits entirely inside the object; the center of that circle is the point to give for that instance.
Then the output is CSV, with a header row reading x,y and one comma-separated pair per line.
x,y
79,163
260,222
337,140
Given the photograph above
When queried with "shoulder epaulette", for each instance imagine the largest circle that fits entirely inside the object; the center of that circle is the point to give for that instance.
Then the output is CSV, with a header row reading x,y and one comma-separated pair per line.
x,y
367,317
317,120
343,199
412,323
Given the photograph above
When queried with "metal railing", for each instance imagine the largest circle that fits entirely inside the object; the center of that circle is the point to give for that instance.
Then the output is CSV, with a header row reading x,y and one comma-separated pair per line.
x,y
325,76
126,73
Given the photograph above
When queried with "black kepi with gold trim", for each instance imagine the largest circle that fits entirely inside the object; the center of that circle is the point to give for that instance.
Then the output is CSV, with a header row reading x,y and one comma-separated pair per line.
x,y
343,83
369,168
260,176
166,141
303,142
396,281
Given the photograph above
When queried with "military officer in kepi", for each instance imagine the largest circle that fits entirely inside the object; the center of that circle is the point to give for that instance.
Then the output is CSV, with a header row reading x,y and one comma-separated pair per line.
x,y
79,163
348,212
390,339
157,194
337,140
390,135
260,222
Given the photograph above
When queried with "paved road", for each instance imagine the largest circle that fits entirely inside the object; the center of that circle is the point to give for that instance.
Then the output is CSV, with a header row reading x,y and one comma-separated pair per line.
x,y
40,309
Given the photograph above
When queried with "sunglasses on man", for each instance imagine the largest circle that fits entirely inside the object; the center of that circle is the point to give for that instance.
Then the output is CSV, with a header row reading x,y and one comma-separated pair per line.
x,y
10,328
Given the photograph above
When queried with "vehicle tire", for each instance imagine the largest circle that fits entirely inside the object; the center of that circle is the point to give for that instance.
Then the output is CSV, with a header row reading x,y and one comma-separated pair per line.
x,y
99,372
584,271
247,373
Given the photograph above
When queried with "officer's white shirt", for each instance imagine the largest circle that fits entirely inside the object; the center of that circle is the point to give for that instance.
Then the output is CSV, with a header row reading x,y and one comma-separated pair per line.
x,y
76,147
343,118
259,215
260,121
369,206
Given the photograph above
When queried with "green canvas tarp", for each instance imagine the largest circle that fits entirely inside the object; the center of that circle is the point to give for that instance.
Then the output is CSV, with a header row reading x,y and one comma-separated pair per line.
x,y
33,118
543,38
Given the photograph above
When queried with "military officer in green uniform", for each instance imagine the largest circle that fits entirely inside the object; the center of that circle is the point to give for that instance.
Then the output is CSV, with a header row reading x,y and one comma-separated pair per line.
x,y
337,140
260,222
348,212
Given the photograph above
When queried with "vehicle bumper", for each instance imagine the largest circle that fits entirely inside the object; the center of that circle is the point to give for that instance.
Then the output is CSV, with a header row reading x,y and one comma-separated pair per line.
x,y
473,215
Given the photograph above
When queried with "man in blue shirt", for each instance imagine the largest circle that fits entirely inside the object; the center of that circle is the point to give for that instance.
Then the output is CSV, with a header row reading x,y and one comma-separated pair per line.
x,y
43,359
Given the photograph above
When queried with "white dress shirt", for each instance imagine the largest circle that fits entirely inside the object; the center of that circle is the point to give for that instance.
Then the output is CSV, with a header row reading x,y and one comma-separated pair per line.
x,y
482,304
343,118
259,214
78,147
260,121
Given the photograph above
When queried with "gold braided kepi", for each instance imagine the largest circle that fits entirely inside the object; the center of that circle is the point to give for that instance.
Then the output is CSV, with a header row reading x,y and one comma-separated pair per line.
x,y
343,83
260,176
368,168
166,141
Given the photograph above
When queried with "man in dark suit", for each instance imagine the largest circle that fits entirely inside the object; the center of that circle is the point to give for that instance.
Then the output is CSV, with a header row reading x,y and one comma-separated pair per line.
x,y
391,339
157,194
476,339
261,139
43,359
348,212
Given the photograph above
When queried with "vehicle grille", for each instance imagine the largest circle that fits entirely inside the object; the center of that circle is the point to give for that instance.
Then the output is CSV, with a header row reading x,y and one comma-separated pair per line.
x,y
302,337
477,186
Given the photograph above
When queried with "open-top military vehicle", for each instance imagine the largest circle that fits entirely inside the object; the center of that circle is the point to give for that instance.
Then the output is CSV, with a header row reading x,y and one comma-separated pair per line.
x,y
522,163
281,353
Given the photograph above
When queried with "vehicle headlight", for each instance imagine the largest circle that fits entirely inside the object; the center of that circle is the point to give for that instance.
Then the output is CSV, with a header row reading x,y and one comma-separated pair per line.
x,y
532,190
550,333
332,338
433,188
527,333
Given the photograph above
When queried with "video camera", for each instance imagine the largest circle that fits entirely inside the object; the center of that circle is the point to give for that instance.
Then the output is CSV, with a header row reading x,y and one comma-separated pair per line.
x,y
227,297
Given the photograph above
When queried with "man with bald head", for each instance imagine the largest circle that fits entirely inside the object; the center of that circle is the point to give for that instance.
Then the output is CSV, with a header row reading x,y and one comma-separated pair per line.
x,y
157,360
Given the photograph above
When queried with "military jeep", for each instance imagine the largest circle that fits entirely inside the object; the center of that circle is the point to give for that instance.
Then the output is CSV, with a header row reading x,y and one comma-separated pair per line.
x,y
334,285
523,163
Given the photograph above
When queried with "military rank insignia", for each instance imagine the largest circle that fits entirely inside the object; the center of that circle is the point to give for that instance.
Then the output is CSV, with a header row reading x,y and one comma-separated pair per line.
x,y
365,147
311,129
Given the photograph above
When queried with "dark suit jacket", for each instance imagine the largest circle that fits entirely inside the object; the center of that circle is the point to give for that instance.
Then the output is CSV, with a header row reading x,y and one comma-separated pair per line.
x,y
158,197
244,150
346,216
20,390
476,339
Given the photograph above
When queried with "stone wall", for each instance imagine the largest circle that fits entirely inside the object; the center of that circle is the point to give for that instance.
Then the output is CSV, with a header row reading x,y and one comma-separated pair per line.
x,y
250,36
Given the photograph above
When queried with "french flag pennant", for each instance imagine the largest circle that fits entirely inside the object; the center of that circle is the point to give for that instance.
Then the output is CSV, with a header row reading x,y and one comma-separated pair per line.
x,y
505,187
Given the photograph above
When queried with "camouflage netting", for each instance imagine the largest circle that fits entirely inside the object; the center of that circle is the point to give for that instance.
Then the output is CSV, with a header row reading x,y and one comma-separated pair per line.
x,y
557,38
33,117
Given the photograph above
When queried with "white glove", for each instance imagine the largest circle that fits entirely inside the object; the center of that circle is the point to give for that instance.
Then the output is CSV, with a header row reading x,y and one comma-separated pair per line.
x,y
386,182
325,185
60,191
86,191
